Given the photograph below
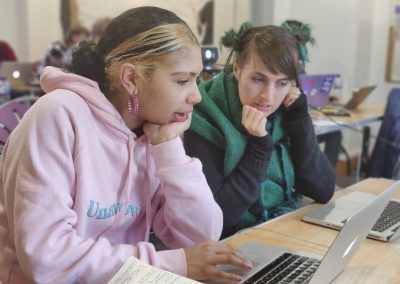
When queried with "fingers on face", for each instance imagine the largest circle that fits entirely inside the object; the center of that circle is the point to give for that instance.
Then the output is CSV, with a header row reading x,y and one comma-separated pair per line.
x,y
252,115
293,95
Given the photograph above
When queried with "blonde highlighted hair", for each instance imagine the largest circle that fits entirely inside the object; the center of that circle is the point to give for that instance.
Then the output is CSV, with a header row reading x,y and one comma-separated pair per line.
x,y
144,36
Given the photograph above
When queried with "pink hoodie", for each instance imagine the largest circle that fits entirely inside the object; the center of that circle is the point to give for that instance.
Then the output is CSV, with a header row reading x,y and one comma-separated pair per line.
x,y
79,192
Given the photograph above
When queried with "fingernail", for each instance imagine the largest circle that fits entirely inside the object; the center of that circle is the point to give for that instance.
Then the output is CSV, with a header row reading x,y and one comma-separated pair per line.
x,y
249,264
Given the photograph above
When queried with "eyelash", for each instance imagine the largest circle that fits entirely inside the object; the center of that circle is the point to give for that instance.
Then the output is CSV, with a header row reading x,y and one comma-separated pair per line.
x,y
183,82
258,79
284,83
261,80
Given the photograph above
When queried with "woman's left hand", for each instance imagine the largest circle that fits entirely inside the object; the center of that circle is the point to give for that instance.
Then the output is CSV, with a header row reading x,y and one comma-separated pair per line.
x,y
294,94
159,133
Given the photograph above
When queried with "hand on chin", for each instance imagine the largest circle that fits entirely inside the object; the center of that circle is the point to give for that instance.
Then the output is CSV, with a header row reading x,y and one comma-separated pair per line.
x,y
159,133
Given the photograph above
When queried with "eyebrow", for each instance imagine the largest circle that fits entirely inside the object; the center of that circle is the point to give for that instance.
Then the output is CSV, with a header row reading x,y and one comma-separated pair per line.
x,y
265,76
193,74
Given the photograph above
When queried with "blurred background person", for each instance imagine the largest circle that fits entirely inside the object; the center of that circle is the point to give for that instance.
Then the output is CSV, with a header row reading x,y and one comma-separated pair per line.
x,y
6,52
60,52
98,28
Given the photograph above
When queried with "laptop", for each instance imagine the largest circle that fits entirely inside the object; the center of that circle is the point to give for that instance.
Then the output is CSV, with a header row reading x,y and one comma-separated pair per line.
x,y
18,74
317,88
358,96
278,265
334,214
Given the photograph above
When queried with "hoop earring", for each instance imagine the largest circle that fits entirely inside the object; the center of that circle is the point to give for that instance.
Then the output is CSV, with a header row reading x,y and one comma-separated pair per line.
x,y
133,106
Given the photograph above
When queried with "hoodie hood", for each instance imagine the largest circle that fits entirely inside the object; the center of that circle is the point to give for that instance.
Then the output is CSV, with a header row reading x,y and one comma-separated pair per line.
x,y
54,78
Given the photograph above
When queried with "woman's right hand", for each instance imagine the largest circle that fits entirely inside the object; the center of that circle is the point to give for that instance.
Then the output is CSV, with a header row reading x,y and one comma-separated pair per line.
x,y
202,260
254,121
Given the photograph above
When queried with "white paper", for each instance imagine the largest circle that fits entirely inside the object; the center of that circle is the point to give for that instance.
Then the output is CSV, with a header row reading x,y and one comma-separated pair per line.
x,y
135,271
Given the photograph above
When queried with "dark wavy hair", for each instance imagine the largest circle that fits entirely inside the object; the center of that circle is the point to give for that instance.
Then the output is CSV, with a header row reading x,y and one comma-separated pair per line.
x,y
275,46
145,36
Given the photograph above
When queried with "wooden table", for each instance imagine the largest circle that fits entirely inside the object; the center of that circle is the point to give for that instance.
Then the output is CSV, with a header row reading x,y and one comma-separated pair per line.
x,y
374,262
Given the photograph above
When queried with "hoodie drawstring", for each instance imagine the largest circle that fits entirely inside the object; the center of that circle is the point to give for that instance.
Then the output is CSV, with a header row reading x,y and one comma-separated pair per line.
x,y
149,209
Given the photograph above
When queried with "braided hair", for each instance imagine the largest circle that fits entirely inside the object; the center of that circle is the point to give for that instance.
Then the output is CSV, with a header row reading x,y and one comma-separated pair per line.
x,y
145,36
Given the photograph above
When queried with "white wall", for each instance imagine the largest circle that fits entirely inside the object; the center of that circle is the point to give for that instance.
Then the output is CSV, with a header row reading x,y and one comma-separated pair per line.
x,y
30,26
351,40
9,25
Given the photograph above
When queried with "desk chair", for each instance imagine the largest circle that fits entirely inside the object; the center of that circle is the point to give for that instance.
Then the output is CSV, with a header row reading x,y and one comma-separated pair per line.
x,y
11,113
386,150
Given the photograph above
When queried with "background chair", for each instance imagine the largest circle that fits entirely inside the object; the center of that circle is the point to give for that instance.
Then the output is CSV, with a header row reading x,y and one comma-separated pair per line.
x,y
11,113
386,150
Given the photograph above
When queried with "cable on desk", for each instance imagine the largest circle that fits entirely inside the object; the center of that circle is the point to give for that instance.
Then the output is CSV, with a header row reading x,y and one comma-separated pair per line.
x,y
388,142
358,129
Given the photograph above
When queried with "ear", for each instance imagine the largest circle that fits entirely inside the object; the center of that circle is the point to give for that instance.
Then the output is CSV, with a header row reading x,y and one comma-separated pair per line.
x,y
128,76
236,70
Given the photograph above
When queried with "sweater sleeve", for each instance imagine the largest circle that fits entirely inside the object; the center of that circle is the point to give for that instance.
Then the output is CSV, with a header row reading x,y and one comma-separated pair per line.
x,y
238,191
187,212
314,174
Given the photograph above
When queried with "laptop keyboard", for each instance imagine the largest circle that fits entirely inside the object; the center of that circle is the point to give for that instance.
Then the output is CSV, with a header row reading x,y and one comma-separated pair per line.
x,y
287,268
389,217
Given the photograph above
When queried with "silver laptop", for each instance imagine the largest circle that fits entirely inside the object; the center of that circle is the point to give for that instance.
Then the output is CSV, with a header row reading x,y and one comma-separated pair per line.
x,y
19,74
277,265
358,96
334,214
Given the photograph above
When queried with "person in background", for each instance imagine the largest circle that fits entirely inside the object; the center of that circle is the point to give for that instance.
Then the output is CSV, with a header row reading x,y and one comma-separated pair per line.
x,y
98,28
6,52
60,52
332,141
98,162
253,133
74,37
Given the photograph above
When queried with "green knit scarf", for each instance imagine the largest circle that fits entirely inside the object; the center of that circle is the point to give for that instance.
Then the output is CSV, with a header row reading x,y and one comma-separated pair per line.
x,y
217,118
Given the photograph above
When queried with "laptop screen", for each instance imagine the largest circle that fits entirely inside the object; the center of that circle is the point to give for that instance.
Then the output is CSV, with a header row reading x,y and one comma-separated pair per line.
x,y
17,73
317,88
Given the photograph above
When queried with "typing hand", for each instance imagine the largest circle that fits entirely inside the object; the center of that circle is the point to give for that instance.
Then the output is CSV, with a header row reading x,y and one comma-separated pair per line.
x,y
202,260
254,121
158,134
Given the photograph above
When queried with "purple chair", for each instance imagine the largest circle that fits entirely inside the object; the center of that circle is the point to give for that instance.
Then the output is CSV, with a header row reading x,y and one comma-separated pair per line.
x,y
11,113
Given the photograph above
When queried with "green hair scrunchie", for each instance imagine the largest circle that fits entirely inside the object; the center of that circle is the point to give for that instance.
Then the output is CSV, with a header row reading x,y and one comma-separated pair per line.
x,y
232,38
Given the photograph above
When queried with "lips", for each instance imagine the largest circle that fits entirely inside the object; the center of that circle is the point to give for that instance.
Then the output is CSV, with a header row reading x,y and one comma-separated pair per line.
x,y
262,107
180,116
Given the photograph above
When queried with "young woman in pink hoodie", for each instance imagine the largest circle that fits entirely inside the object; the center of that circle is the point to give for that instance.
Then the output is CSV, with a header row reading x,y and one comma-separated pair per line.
x,y
98,162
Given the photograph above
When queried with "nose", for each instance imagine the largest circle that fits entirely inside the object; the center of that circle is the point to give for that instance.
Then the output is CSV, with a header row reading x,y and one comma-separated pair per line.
x,y
267,93
194,96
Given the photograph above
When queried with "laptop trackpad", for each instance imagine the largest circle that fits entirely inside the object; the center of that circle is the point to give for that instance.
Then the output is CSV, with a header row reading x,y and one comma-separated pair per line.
x,y
257,253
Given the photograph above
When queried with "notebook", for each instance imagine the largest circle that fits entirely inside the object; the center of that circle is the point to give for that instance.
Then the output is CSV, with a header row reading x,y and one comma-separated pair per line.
x,y
301,267
317,88
19,74
333,215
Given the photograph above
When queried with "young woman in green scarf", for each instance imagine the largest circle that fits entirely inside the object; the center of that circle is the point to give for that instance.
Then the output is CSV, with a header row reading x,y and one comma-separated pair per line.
x,y
253,133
